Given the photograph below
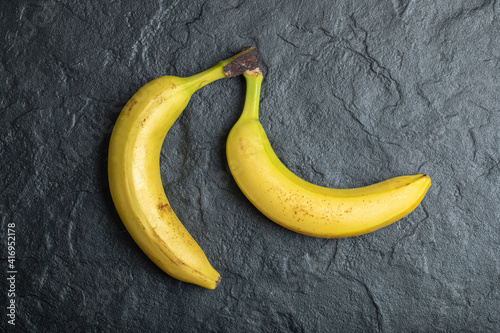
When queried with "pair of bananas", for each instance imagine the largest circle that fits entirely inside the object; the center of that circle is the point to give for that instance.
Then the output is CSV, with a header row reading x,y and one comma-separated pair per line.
x,y
139,197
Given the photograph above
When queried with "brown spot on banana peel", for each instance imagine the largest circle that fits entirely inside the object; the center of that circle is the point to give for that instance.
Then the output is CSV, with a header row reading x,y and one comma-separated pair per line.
x,y
202,83
131,106
164,207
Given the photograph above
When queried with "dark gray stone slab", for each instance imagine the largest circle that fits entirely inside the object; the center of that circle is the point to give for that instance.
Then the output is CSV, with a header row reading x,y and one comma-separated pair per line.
x,y
355,92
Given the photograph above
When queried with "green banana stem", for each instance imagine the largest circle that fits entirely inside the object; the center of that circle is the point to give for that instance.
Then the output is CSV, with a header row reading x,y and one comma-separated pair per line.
x,y
253,80
200,80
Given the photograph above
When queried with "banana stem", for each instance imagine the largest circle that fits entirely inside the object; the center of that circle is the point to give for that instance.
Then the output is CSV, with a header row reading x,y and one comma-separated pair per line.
x,y
247,59
253,80
210,75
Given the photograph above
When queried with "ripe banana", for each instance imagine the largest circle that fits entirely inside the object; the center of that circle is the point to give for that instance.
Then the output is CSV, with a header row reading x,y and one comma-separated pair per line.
x,y
134,171
304,207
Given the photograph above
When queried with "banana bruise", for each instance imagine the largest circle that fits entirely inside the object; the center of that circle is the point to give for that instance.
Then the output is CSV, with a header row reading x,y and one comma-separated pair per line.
x,y
304,207
134,170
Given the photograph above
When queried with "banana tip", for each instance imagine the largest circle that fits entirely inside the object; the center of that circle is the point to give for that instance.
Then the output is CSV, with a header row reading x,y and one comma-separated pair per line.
x,y
218,282
427,177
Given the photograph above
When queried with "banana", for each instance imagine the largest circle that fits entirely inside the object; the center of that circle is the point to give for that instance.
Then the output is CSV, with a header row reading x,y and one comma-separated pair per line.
x,y
134,171
303,207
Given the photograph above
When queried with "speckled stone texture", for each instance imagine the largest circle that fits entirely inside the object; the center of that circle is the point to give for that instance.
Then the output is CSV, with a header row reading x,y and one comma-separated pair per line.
x,y
355,92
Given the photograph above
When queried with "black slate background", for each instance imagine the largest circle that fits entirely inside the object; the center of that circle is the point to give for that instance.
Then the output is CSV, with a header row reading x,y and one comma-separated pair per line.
x,y
355,92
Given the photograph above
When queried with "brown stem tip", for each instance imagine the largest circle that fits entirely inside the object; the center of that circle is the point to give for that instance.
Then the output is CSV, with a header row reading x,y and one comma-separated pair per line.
x,y
218,282
254,72
247,61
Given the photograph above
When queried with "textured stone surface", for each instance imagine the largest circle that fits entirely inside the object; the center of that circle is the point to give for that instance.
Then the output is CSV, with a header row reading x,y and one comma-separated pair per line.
x,y
355,92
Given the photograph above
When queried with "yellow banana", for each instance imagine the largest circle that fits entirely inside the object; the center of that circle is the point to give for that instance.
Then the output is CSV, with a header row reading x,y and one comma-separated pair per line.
x,y
304,207
134,171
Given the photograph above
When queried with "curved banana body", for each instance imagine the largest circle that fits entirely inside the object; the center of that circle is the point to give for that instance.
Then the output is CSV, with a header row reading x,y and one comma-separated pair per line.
x,y
135,180
304,207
